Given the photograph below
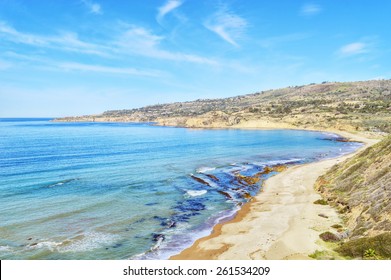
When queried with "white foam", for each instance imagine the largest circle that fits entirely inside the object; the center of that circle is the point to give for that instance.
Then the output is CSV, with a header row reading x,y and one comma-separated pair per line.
x,y
5,249
277,162
50,245
205,169
196,193
89,242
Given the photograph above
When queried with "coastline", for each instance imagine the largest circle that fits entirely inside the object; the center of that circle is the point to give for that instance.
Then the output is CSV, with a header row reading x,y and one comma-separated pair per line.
x,y
279,223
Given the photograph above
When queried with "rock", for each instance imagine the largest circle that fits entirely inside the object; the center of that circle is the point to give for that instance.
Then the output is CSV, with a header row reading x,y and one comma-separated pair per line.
x,y
329,237
213,177
158,237
323,216
199,180
227,195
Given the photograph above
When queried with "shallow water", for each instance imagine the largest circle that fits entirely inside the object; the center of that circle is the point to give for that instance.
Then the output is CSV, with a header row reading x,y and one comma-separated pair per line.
x,y
123,190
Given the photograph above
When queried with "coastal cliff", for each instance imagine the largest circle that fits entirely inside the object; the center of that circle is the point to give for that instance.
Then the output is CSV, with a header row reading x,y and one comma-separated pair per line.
x,y
360,188
351,106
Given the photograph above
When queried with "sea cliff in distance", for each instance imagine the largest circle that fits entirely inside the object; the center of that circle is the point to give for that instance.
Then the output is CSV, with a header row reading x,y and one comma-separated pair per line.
x,y
359,188
351,106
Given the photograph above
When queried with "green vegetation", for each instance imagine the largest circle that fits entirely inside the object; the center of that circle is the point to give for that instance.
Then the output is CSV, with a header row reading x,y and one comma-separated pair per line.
x,y
321,202
378,247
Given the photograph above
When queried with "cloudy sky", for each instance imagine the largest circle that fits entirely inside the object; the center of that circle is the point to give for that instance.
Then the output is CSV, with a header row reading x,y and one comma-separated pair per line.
x,y
73,57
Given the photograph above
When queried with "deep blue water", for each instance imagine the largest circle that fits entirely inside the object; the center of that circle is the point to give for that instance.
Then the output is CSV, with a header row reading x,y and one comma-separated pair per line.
x,y
126,190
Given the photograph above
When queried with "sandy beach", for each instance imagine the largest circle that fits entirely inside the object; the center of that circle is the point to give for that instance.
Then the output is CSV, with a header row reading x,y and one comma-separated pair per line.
x,y
281,222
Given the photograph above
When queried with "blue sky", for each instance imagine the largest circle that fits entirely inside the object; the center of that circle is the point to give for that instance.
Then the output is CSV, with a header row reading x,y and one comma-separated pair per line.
x,y
74,57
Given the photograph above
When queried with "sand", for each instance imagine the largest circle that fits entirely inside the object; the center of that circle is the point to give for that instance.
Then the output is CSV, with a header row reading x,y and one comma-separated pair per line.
x,y
279,223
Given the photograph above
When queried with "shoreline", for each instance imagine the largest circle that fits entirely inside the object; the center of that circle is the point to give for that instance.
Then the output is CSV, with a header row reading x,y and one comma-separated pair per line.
x,y
281,222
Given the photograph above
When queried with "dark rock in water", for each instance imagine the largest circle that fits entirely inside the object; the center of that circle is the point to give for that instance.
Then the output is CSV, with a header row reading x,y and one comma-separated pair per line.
x,y
117,245
168,224
227,195
140,221
30,238
185,217
335,139
190,205
171,224
213,177
199,180
158,236
33,244
159,218
151,204
323,216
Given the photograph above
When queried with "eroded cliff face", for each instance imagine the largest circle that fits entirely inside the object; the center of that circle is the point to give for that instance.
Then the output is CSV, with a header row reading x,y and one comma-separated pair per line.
x,y
360,188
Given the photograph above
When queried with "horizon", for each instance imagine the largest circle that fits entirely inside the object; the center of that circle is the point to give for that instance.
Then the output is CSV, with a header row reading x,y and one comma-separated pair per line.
x,y
84,57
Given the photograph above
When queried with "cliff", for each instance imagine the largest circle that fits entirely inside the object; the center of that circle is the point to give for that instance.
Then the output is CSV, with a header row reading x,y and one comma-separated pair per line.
x,y
360,189
352,106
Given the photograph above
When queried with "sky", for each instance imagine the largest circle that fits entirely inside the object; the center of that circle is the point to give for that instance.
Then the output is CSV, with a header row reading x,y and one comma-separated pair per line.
x,y
76,57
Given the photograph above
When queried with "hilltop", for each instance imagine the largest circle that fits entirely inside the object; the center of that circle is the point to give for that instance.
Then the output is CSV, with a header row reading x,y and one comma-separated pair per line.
x,y
351,106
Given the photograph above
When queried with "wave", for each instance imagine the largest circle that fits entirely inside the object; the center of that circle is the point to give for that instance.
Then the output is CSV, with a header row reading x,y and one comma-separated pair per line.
x,y
196,193
205,169
62,182
85,242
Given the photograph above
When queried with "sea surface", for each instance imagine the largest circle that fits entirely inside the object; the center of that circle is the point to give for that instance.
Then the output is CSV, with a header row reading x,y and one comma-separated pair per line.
x,y
132,190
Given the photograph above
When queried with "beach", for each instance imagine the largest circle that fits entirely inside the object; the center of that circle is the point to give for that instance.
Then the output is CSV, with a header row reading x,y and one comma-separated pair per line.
x,y
281,222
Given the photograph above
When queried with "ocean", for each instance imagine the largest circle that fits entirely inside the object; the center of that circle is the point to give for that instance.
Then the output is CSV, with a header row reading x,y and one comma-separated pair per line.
x,y
133,190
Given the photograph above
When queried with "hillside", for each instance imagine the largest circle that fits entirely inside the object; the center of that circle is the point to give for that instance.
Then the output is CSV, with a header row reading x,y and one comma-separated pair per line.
x,y
352,106
360,188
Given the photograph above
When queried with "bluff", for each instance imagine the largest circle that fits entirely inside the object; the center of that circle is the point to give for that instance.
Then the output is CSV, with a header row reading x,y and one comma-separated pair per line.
x,y
360,189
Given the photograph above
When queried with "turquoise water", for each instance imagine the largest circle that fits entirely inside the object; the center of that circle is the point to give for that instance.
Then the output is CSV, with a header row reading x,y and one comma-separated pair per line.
x,y
123,190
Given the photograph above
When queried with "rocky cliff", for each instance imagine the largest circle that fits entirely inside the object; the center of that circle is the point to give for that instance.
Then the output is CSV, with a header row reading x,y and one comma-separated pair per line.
x,y
360,188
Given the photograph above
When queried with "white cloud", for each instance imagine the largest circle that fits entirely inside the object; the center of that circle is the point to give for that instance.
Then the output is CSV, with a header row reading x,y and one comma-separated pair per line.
x,y
93,7
65,41
105,69
168,7
310,9
135,40
353,49
141,41
227,25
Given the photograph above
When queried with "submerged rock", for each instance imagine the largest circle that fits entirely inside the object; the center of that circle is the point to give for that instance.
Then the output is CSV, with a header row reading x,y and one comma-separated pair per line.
x,y
199,180
227,195
158,237
213,177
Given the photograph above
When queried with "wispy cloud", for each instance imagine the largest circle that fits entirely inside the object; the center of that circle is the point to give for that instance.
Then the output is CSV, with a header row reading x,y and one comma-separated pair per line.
x,y
65,41
227,25
310,9
168,7
72,66
93,8
138,40
133,40
353,49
